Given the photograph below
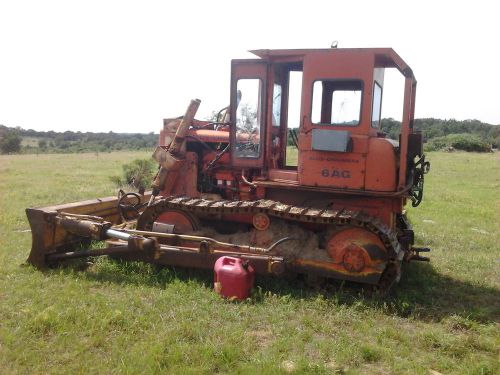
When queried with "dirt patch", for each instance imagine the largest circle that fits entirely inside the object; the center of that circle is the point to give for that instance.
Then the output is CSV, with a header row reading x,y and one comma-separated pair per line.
x,y
263,338
304,242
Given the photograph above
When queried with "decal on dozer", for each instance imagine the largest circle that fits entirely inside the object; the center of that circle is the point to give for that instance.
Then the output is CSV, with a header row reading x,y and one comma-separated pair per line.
x,y
336,173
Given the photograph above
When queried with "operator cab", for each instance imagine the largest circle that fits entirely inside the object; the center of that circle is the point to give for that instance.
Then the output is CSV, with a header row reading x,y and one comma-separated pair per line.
x,y
327,103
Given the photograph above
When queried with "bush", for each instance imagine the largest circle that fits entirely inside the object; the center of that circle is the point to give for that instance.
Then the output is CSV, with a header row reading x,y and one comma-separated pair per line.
x,y
465,142
10,143
137,174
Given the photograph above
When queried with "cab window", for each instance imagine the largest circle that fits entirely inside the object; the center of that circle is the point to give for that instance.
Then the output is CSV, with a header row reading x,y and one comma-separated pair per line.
x,y
276,104
248,118
336,102
377,105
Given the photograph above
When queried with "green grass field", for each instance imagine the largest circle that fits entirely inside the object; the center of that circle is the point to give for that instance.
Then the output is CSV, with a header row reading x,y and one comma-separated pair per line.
x,y
133,318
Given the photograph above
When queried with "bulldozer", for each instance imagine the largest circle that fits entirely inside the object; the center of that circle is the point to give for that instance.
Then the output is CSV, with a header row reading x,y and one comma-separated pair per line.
x,y
227,186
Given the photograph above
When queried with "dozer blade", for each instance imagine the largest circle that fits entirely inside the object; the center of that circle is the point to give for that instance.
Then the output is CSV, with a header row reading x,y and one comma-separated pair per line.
x,y
50,237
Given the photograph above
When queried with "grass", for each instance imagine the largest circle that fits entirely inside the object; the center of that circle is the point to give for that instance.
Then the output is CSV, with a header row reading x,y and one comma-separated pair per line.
x,y
133,318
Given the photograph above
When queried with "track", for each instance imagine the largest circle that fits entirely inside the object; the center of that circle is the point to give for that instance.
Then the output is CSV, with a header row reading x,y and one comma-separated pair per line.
x,y
201,207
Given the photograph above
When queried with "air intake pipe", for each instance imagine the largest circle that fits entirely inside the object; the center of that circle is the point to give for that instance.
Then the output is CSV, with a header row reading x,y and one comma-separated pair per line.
x,y
172,158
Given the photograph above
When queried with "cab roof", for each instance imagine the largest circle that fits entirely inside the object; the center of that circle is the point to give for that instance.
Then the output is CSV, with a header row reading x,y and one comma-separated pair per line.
x,y
384,57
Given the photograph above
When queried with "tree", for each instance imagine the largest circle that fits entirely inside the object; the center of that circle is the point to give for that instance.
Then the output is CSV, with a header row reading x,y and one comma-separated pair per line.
x,y
212,117
246,119
10,143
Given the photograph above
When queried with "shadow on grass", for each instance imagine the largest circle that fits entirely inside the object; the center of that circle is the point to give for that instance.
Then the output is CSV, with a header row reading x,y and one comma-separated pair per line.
x,y
435,296
422,293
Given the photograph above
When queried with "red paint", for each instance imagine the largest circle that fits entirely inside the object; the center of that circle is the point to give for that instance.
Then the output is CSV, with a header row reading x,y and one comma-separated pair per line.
x,y
181,222
233,278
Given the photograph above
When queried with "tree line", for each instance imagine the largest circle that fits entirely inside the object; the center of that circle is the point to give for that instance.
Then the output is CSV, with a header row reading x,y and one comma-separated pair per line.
x,y
18,140
434,128
470,135
467,135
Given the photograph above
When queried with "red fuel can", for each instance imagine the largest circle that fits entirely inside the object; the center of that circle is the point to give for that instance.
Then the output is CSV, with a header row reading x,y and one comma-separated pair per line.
x,y
233,278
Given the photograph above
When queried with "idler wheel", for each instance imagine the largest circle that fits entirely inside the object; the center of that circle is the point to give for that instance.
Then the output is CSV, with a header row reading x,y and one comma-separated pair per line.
x,y
357,250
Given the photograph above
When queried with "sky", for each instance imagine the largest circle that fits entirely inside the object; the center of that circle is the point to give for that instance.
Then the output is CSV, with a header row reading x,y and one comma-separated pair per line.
x,y
124,65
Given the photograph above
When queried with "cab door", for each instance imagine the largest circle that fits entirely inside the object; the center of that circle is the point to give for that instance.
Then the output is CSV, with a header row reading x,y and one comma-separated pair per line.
x,y
333,140
248,112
